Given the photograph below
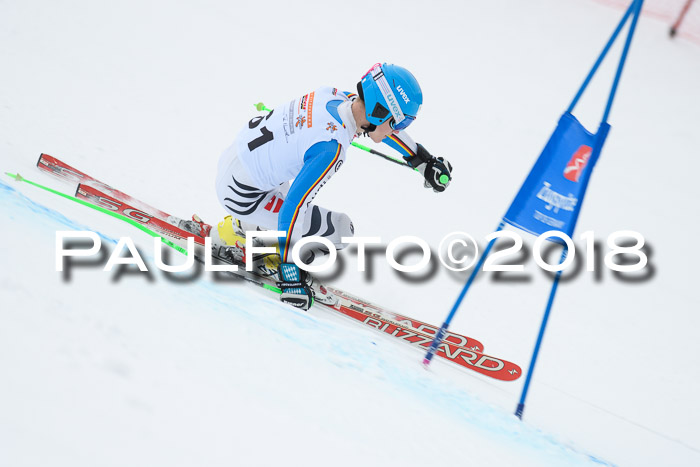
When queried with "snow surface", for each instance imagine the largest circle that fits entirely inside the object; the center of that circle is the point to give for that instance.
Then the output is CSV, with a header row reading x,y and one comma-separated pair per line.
x,y
114,369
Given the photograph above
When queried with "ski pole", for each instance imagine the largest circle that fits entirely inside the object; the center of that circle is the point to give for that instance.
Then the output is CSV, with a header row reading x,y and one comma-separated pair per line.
x,y
437,340
19,178
141,227
377,153
260,107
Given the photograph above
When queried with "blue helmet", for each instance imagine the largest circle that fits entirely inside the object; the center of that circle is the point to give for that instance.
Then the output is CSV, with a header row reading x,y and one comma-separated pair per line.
x,y
390,91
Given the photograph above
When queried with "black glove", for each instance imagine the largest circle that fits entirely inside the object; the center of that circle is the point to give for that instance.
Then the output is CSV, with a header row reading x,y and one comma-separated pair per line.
x,y
295,285
436,170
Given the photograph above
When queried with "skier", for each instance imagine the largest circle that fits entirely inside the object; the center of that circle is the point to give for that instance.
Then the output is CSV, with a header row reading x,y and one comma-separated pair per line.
x,y
306,140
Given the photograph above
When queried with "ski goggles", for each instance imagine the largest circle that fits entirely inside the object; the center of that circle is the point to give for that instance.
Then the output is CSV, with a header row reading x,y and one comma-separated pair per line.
x,y
408,119
399,121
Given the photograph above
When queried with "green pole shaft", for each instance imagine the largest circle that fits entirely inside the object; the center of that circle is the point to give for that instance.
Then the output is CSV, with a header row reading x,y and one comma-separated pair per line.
x,y
138,225
260,107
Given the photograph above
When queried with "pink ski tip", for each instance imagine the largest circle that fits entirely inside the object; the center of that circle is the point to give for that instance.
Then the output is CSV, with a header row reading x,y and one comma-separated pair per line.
x,y
426,363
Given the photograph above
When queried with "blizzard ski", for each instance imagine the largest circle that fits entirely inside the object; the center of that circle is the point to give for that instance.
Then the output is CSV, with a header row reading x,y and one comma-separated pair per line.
x,y
461,350
351,303
94,195
65,172
374,311
97,192
463,356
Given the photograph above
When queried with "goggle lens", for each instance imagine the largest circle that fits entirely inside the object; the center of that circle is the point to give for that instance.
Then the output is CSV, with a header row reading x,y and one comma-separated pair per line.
x,y
403,124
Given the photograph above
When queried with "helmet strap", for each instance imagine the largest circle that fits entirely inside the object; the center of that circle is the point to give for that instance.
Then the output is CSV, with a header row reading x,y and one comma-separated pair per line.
x,y
369,128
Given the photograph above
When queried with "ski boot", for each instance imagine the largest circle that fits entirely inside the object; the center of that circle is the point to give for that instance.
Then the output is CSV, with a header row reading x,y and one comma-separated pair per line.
x,y
228,241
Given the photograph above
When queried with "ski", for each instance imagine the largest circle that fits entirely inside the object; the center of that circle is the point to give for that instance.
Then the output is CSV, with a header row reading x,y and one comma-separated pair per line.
x,y
97,192
95,196
456,348
59,169
380,320
109,201
461,350
369,309
463,356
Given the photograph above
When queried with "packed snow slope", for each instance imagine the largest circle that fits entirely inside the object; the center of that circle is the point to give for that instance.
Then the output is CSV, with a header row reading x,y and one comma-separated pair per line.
x,y
114,368
107,369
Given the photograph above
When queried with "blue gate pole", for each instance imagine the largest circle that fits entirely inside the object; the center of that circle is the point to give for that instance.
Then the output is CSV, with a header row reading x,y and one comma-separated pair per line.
x,y
633,26
602,55
443,330
634,10
521,405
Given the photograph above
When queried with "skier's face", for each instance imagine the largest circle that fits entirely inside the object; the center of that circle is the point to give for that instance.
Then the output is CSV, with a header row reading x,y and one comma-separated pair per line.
x,y
382,131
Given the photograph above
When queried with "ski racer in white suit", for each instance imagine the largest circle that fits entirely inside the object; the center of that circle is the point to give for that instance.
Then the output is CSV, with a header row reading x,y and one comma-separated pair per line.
x,y
306,140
